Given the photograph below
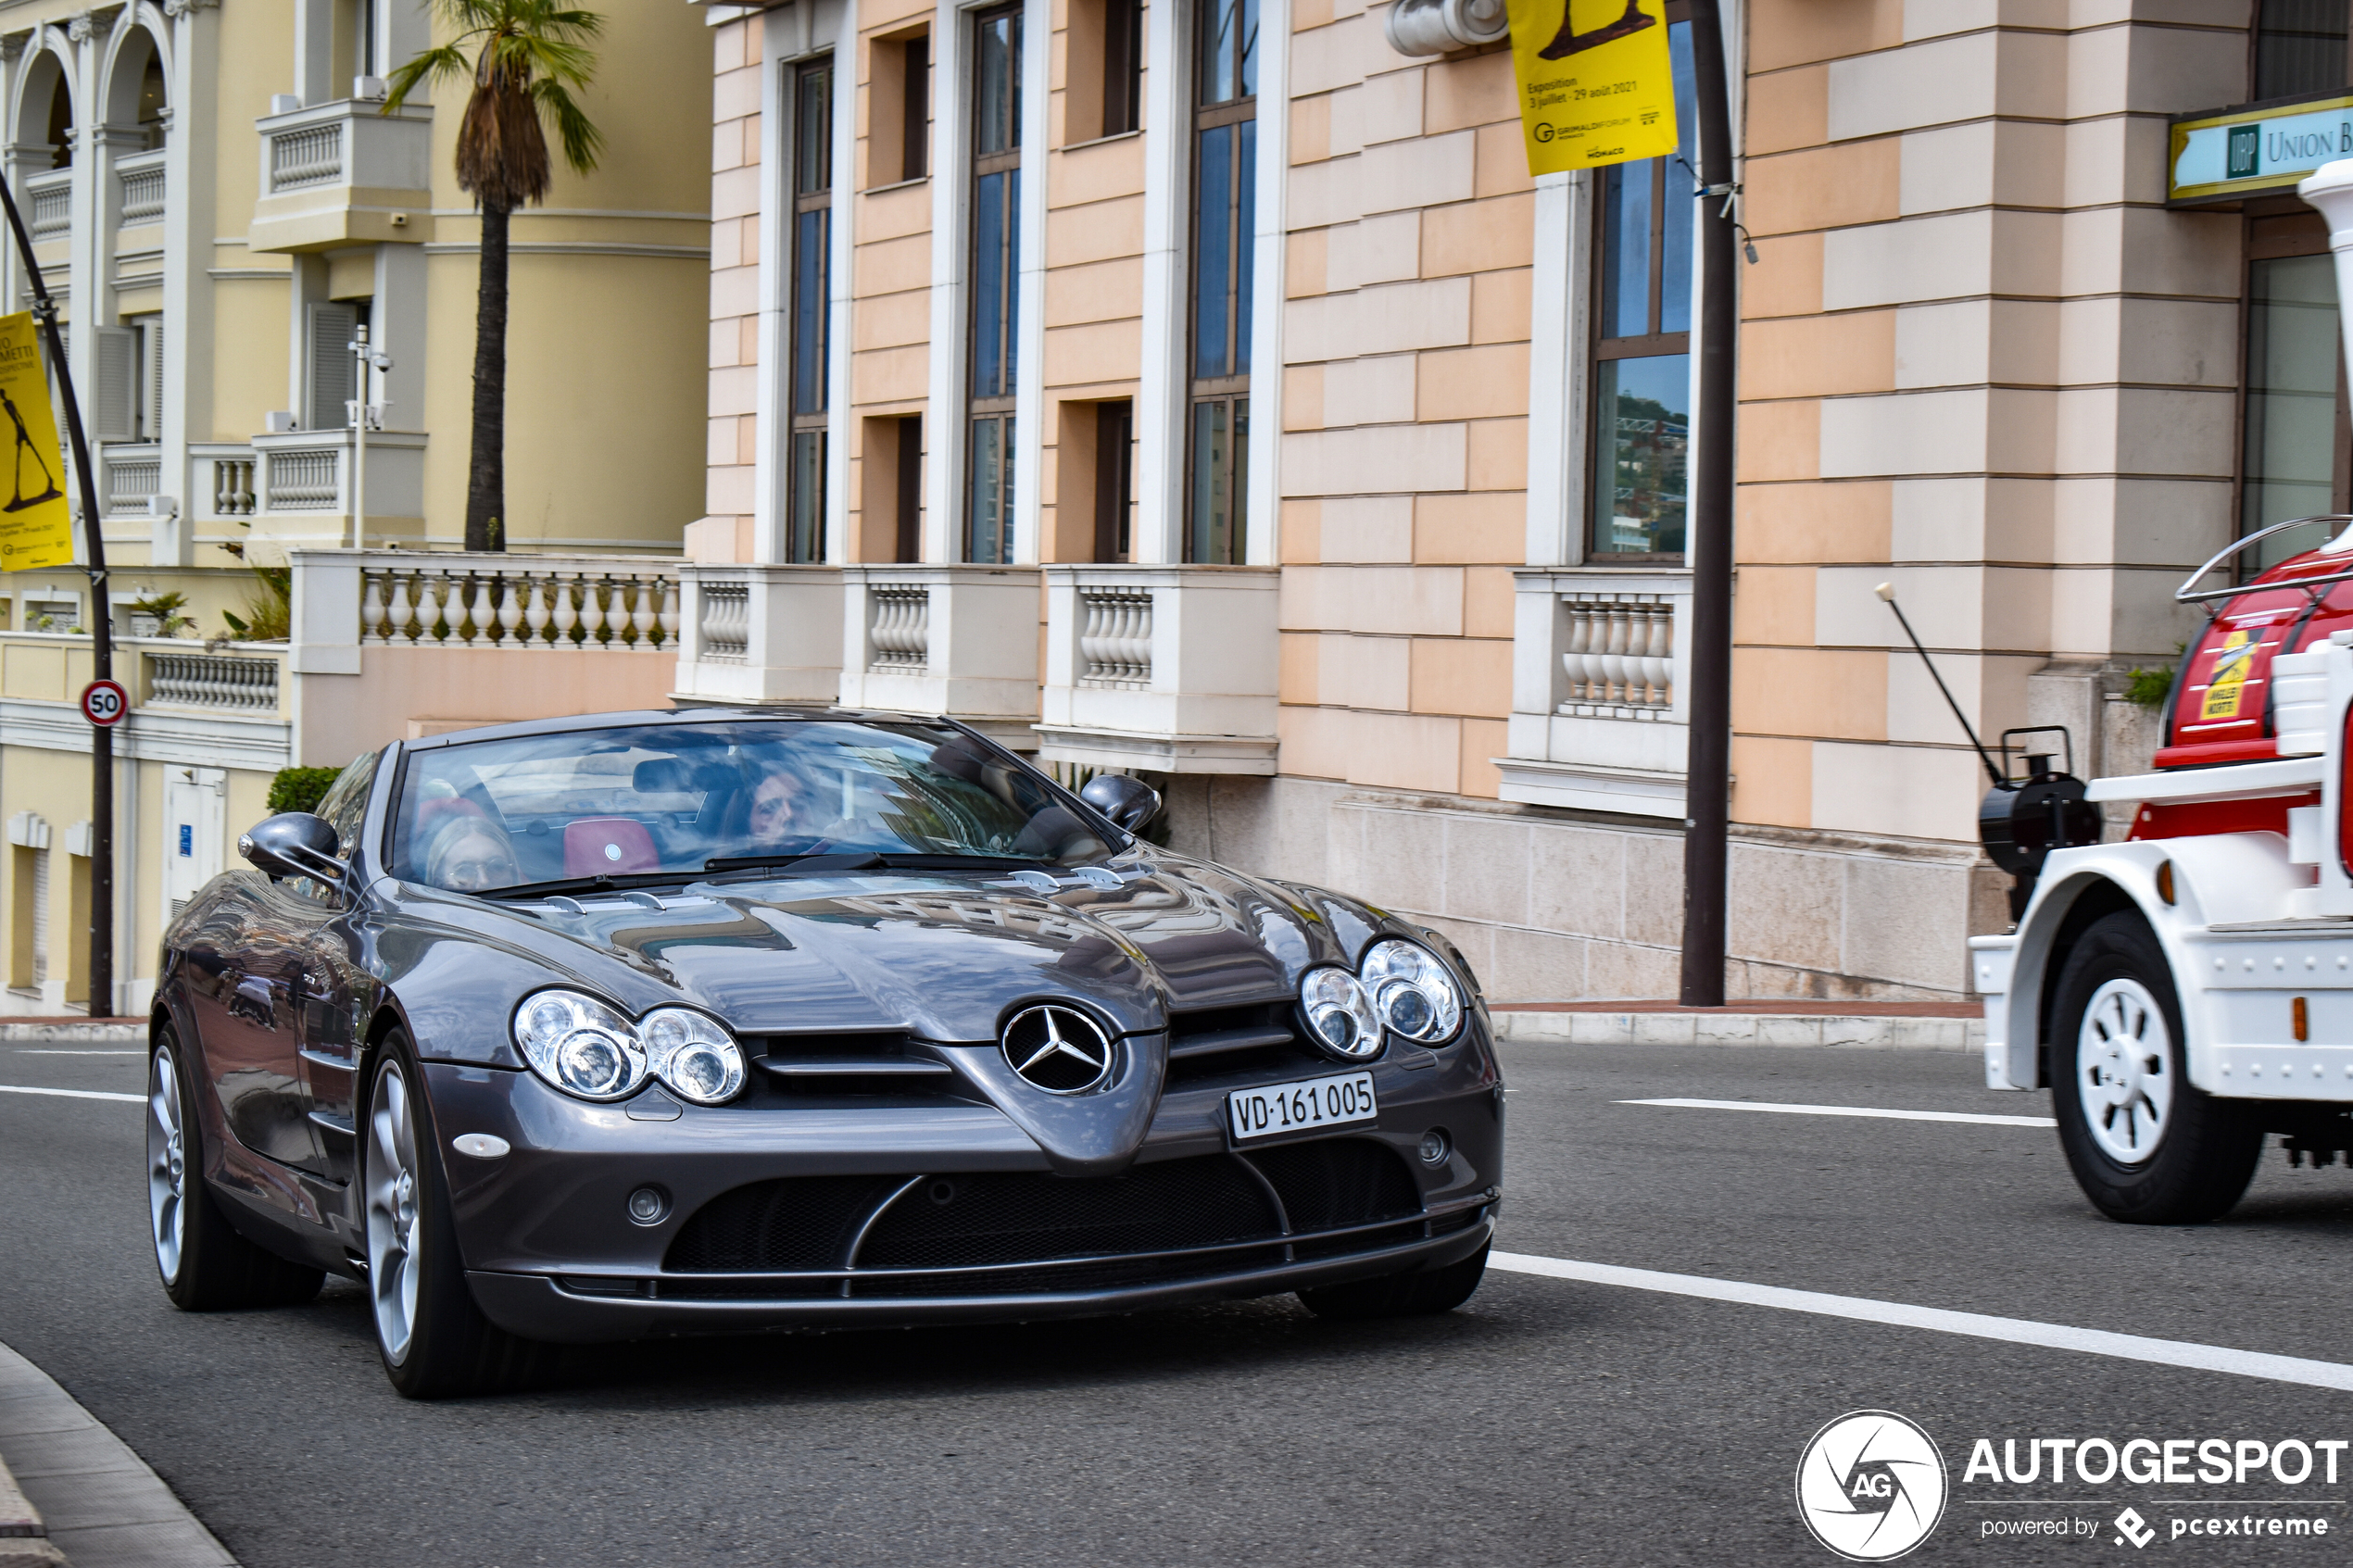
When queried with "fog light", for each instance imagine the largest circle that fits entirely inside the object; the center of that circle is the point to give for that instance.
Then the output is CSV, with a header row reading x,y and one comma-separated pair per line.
x,y
647,1205
1435,1147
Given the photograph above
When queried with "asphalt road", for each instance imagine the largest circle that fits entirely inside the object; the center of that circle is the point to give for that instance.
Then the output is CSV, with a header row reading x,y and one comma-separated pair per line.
x,y
1548,1421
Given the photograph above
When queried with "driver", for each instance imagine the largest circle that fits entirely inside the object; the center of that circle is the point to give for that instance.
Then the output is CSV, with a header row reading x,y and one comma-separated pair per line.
x,y
778,802
466,852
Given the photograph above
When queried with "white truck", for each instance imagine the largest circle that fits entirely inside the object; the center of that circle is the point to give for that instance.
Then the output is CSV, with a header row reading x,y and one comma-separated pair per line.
x,y
2189,991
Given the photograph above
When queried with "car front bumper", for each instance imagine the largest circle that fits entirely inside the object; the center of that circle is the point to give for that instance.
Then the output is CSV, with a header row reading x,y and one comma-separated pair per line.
x,y
553,1252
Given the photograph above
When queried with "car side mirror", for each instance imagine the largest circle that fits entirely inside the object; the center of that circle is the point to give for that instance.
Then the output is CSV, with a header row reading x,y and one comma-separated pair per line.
x,y
296,843
1128,801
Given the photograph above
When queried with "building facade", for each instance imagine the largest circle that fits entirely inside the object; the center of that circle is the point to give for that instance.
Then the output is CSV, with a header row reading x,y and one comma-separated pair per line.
x,y
221,203
1204,388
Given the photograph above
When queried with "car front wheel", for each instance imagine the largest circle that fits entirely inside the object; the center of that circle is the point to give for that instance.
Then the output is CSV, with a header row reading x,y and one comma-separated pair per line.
x,y
2147,1145
206,1265
434,1341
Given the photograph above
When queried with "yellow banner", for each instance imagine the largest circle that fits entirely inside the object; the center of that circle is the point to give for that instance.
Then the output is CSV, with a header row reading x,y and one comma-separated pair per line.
x,y
36,526
1595,86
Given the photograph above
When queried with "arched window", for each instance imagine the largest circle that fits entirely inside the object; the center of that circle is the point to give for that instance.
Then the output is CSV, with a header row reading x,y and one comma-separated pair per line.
x,y
60,123
151,104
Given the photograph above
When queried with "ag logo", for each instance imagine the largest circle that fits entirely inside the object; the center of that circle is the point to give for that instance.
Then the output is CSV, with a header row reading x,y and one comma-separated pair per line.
x,y
1871,1486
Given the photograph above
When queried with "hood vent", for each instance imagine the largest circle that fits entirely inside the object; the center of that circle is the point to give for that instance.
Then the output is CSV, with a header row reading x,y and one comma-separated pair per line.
x,y
1211,1042
885,1061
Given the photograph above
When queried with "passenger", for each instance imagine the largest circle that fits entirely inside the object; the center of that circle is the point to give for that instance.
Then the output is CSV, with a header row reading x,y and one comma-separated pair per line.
x,y
466,852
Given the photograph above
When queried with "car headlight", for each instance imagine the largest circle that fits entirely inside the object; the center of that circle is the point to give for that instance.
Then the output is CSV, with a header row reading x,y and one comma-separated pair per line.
x,y
1340,1014
580,1045
1412,994
693,1054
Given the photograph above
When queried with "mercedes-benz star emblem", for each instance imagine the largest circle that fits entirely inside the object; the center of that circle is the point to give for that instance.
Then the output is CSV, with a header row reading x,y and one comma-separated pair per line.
x,y
1060,1051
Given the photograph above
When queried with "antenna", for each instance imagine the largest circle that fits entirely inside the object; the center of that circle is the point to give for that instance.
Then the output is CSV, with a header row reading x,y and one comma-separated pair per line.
x,y
1887,591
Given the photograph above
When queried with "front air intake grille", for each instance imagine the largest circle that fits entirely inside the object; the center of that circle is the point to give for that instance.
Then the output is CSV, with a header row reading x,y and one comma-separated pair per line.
x,y
798,1223
1214,1042
1213,1211
1334,1182
970,1222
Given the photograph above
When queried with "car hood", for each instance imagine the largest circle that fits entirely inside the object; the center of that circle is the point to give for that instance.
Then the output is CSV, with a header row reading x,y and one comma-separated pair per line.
x,y
949,958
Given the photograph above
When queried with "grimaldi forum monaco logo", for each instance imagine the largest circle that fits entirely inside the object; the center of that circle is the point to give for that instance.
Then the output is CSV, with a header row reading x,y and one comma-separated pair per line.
x,y
1872,1484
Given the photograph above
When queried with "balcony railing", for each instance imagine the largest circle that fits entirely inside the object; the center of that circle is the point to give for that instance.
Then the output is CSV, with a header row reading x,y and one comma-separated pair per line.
x,y
960,640
517,602
1598,707
221,683
342,174
898,628
306,155
1619,657
52,216
142,178
1171,668
232,484
133,475
303,481
759,634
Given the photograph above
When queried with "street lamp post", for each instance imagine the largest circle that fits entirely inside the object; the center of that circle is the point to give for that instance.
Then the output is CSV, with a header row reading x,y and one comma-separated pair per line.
x,y
44,310
368,361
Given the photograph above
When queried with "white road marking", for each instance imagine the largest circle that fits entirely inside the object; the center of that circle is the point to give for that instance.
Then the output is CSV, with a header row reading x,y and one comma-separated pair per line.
x,y
1976,1325
1851,1111
43,1051
72,1094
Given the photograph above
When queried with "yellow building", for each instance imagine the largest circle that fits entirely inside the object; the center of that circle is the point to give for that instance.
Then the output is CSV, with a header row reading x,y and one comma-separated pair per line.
x,y
219,203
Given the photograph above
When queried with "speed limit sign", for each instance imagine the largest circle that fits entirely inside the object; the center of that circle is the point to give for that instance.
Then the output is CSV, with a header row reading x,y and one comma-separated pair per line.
x,y
103,703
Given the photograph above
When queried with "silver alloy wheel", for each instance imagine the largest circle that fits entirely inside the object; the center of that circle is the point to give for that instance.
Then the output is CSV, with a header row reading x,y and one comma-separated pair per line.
x,y
2124,1070
391,1181
167,1164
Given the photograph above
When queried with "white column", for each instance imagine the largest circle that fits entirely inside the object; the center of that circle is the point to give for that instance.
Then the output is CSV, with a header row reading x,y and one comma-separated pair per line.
x,y
944,432
1556,382
1029,335
314,53
191,132
840,269
1160,394
84,290
780,41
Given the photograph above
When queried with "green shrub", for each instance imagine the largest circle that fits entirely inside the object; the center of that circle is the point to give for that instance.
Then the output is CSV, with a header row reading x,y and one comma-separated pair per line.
x,y
300,789
2151,687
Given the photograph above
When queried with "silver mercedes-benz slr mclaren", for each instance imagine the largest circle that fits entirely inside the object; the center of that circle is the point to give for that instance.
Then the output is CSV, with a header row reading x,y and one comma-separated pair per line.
x,y
675,1023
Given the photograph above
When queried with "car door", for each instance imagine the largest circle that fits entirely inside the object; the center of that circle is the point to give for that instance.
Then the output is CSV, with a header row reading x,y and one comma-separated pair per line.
x,y
328,986
237,994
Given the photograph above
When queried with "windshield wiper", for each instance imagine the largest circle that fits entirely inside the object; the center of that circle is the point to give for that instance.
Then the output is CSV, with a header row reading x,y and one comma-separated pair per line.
x,y
603,883
750,867
832,860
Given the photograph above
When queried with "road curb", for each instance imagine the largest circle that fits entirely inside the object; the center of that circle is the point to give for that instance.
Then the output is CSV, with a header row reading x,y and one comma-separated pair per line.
x,y
24,1540
100,1504
1838,1030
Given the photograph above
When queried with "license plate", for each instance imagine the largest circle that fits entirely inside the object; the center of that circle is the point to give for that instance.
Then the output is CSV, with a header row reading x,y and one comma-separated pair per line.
x,y
1299,1107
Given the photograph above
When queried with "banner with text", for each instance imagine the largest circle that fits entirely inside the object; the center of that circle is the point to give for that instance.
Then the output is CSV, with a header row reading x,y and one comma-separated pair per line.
x,y
1604,94
36,526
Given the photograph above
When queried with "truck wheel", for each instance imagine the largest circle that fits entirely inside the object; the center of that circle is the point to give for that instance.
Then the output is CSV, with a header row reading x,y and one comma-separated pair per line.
x,y
2146,1145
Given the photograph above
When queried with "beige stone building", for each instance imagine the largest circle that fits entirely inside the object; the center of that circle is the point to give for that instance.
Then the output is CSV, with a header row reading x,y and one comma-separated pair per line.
x,y
1204,388
218,202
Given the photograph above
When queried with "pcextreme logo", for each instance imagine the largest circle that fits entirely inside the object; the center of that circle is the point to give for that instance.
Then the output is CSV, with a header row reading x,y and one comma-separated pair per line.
x,y
1871,1486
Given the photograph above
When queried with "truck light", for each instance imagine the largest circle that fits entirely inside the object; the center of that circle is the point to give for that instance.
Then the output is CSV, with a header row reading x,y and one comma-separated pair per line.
x,y
2165,885
2303,1021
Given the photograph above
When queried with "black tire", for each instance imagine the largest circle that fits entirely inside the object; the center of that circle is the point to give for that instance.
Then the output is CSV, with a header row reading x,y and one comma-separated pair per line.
x,y
2204,1149
1415,1294
450,1350
214,1268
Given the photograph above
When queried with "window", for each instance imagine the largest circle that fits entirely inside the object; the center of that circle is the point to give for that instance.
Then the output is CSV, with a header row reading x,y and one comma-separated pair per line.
x,y
812,164
1224,166
1114,480
333,327
1103,83
60,125
908,508
898,122
2301,48
152,102
996,282
1641,366
2294,435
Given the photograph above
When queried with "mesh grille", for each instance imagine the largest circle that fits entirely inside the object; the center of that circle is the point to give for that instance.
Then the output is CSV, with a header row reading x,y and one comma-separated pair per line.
x,y
1109,1275
1338,1181
971,1221
798,1222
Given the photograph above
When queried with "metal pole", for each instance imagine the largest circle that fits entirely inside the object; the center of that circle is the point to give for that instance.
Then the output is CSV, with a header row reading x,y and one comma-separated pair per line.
x,y
45,310
1707,781
359,447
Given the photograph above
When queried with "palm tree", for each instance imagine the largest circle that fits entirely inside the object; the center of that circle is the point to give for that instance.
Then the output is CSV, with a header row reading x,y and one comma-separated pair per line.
x,y
528,57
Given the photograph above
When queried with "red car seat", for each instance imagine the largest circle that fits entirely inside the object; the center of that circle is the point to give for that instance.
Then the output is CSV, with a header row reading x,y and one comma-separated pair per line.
x,y
608,847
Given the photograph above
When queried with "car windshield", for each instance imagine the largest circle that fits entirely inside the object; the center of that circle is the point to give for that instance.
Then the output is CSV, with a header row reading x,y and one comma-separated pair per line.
x,y
691,798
